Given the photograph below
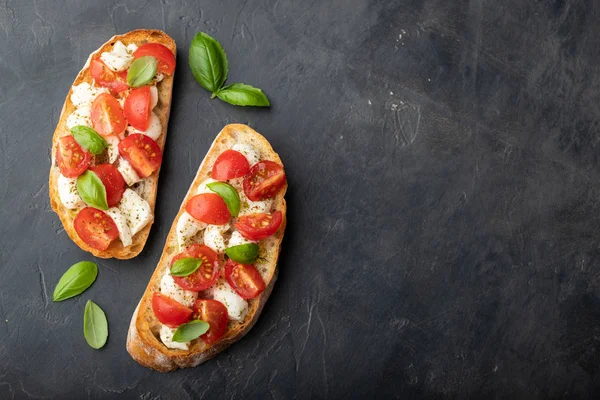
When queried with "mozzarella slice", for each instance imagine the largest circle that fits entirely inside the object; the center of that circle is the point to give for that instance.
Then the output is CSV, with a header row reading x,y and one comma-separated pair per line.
x,y
67,192
121,222
237,308
213,237
187,228
169,288
84,94
137,211
153,96
237,239
81,116
119,58
113,148
166,336
252,154
128,172
154,127
248,206
203,188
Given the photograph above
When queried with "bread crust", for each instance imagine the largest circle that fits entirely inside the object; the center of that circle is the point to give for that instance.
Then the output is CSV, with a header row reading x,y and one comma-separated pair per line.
x,y
142,342
162,110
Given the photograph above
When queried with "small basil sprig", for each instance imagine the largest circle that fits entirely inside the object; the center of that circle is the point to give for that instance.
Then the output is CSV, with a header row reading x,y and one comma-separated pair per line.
x,y
89,139
73,282
92,190
229,195
95,326
185,266
141,71
190,331
210,68
243,253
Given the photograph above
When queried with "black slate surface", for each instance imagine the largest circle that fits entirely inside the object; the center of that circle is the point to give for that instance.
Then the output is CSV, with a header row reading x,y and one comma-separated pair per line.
x,y
444,201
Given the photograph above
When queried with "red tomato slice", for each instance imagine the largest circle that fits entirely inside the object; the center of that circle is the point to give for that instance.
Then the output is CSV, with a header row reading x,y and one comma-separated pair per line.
x,y
142,152
71,158
113,182
205,275
170,312
264,180
95,228
215,313
244,279
208,208
107,115
230,164
116,82
137,108
258,226
164,56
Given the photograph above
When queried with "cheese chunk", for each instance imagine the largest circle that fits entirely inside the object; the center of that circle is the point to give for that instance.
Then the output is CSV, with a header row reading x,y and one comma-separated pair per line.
x,y
166,336
121,222
137,211
203,188
213,237
153,96
84,94
187,228
113,148
128,172
154,128
81,116
237,239
249,151
67,192
237,308
120,57
169,288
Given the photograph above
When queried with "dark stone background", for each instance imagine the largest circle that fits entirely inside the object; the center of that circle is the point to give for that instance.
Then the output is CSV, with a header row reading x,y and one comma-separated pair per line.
x,y
444,201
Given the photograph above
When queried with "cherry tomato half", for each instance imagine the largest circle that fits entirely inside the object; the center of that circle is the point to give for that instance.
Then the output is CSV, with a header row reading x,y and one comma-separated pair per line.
x,y
208,208
142,152
95,228
137,108
258,226
205,275
113,182
116,82
264,180
230,164
164,56
244,279
215,313
71,158
107,115
170,312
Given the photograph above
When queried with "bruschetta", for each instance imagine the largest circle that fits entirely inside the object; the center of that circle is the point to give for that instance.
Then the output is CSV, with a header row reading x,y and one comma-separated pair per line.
x,y
219,263
108,143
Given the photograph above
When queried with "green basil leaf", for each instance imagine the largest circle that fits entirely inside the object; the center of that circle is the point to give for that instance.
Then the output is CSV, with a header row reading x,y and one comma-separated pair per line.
x,y
208,62
141,71
190,331
229,195
244,253
92,190
89,139
240,94
73,282
95,326
185,266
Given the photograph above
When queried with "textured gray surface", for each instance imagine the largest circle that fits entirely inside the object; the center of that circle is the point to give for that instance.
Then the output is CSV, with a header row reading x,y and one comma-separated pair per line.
x,y
443,206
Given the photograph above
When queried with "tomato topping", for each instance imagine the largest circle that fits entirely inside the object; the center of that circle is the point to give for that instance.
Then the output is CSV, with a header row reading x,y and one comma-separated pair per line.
x,y
205,275
244,279
170,312
164,56
71,158
116,82
95,228
208,208
137,108
259,226
142,152
107,115
113,182
215,313
264,180
230,164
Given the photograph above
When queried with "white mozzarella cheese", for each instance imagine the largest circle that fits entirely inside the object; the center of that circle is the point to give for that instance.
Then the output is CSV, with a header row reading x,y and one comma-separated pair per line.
x,y
67,192
137,211
237,308
154,127
237,239
128,172
252,154
120,57
166,336
81,116
159,77
203,188
84,94
213,237
153,96
169,288
187,228
248,206
113,148
121,222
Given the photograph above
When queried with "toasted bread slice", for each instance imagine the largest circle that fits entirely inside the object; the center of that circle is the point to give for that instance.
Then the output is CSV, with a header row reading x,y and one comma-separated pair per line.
x,y
165,89
143,341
